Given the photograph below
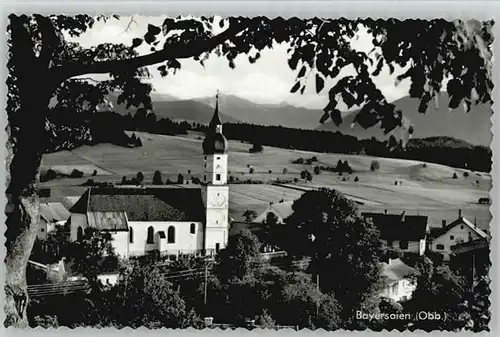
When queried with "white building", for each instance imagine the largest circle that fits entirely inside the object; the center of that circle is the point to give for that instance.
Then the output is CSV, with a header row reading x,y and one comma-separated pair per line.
x,y
401,232
459,231
166,219
399,287
281,210
52,214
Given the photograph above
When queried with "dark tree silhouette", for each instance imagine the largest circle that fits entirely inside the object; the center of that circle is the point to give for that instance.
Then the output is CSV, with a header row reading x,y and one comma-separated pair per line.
x,y
326,227
157,180
43,65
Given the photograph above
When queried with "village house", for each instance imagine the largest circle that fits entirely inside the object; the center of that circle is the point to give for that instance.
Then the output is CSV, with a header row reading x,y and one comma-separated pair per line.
x,y
168,220
281,210
52,214
457,232
401,232
398,287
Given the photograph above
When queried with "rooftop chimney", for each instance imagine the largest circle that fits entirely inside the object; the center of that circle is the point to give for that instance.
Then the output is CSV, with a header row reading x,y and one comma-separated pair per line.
x,y
443,223
385,211
460,213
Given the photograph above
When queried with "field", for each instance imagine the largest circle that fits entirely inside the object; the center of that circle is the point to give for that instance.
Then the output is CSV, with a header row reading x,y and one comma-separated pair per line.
x,y
426,190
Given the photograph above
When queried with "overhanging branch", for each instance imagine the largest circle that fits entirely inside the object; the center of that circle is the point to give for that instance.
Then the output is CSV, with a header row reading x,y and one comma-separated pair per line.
x,y
179,51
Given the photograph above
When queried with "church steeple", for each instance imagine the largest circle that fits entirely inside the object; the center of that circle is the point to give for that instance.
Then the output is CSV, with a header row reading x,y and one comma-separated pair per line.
x,y
215,142
215,123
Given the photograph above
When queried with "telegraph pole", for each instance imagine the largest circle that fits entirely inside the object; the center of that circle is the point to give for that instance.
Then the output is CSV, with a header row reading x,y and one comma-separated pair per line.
x,y
317,287
206,281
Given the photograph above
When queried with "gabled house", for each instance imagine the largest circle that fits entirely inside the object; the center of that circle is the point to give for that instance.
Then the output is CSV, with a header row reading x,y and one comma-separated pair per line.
x,y
281,210
401,232
52,214
398,285
457,232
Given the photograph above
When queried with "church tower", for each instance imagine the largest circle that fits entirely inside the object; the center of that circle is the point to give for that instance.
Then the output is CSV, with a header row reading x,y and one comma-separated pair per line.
x,y
215,170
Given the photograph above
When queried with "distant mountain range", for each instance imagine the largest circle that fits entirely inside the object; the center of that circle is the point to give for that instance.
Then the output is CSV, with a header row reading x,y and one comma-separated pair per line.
x,y
473,127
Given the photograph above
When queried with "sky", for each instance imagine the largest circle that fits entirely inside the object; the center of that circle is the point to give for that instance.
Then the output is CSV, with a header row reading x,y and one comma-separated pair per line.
x,y
269,80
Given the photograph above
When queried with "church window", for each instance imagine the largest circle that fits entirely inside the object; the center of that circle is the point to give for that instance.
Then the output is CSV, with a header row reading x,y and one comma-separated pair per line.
x,y
218,158
440,247
204,177
79,233
217,247
205,158
131,235
192,229
171,234
217,177
151,232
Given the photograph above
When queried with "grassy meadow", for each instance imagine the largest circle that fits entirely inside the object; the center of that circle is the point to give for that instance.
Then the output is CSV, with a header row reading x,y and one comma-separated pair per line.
x,y
423,189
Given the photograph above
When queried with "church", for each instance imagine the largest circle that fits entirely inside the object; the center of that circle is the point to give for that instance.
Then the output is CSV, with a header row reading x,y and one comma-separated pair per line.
x,y
168,220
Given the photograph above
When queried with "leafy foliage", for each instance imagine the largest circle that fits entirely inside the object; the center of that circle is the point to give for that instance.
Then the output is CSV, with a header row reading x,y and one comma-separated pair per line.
x,y
326,227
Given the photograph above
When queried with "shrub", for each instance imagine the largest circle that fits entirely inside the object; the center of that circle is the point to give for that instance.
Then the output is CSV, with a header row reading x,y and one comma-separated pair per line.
x,y
180,179
157,178
50,174
76,174
256,148
356,179
89,182
466,174
124,180
374,166
195,180
424,165
285,170
295,180
270,171
455,175
298,161
396,183
252,170
94,173
314,159
343,179
317,170
340,173
139,177
231,179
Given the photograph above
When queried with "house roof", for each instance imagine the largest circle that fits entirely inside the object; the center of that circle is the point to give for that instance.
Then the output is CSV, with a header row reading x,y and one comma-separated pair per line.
x,y
437,232
108,221
472,245
394,227
396,270
144,204
53,212
281,209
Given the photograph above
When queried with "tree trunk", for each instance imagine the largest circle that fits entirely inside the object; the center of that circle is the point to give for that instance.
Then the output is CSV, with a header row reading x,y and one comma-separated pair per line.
x,y
30,89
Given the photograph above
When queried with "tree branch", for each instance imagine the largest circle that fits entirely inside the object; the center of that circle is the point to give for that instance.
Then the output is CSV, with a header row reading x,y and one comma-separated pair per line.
x,y
129,24
179,51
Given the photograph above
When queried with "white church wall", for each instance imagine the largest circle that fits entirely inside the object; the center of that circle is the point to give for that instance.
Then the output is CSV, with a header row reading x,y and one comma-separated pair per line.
x,y
185,241
120,243
77,220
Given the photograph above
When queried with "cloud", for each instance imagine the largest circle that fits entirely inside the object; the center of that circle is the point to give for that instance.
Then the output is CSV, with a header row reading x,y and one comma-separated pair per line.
x,y
267,81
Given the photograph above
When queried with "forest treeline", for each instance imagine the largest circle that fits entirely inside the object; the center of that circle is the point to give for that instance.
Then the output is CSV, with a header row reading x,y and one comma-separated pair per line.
x,y
108,126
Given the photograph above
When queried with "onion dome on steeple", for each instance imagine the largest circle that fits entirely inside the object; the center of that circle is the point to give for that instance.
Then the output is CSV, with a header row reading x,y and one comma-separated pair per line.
x,y
214,141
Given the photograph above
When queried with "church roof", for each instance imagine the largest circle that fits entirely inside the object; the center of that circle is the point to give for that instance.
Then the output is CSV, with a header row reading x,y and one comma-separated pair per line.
x,y
143,203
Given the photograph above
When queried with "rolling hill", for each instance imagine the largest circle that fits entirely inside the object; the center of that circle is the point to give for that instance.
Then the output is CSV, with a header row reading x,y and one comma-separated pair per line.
x,y
473,127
